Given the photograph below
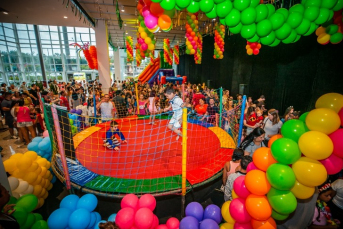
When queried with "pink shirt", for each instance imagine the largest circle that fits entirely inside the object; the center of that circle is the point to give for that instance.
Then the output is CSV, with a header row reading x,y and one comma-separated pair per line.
x,y
322,218
233,167
23,114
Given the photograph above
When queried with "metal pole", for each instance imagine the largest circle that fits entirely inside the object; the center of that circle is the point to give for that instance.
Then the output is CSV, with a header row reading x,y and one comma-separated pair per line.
x,y
94,101
40,53
184,161
241,120
220,106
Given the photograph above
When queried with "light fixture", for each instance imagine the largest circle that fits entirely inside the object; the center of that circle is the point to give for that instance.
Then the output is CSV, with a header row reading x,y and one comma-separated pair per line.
x,y
126,33
122,9
213,19
124,24
5,12
65,17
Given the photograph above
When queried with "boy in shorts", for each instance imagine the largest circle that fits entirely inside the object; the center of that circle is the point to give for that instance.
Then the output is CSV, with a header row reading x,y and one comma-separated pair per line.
x,y
111,141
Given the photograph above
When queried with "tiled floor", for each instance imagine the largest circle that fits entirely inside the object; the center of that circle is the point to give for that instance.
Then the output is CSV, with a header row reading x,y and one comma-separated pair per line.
x,y
6,143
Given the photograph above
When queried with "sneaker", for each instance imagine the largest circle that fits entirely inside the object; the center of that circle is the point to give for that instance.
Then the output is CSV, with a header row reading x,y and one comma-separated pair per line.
x,y
14,137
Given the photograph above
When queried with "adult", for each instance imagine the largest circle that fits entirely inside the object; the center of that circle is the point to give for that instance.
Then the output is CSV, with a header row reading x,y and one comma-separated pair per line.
x,y
13,88
271,124
253,141
6,105
120,104
260,100
226,97
23,87
201,108
229,117
75,98
6,220
212,111
33,94
24,121
119,86
106,108
197,96
188,105
63,100
250,120
288,114
27,99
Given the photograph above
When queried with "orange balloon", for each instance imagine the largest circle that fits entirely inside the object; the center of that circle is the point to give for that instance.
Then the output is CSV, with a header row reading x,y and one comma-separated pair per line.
x,y
258,207
258,46
139,6
257,183
156,9
263,158
272,139
249,51
267,224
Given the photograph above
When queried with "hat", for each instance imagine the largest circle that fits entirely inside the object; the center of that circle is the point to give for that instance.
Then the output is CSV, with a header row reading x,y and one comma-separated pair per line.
x,y
85,104
324,187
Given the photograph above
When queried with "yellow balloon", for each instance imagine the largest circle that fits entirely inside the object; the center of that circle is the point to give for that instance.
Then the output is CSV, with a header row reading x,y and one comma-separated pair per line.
x,y
301,191
38,181
315,145
42,192
332,101
320,30
140,29
234,195
190,47
24,163
33,167
48,165
44,170
227,226
40,203
30,177
18,174
147,40
45,195
10,165
324,120
226,212
17,156
47,174
323,38
37,189
143,35
309,172
31,154
42,162
151,47
192,51
49,187
38,170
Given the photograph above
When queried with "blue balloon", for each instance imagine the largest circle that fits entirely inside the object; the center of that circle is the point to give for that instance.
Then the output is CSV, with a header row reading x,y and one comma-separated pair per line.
x,y
97,215
97,224
33,146
209,224
196,210
44,145
59,218
213,212
46,156
189,222
69,201
88,202
92,222
112,217
37,139
79,219
53,180
74,117
40,152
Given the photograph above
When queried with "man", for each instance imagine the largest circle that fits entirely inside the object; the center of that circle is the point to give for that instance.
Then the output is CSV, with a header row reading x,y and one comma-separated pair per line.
x,y
212,111
260,101
6,220
13,88
76,100
120,104
33,94
64,101
106,108
6,108
119,86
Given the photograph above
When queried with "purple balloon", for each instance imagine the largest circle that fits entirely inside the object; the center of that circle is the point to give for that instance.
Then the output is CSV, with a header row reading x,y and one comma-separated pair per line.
x,y
209,224
196,210
213,212
72,111
79,112
150,21
189,222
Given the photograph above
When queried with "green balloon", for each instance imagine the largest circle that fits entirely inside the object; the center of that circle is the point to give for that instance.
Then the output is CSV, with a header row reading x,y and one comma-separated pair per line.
x,y
241,4
332,29
254,39
254,3
183,3
336,38
71,122
236,29
323,17
248,16
178,8
303,116
248,31
233,18
212,13
269,40
303,27
222,21
41,224
328,4
283,32
296,39
224,8
294,19
168,4
20,215
197,0
283,11
271,10
29,202
293,129
193,7
13,200
311,13
283,202
170,13
297,8
285,150
277,20
261,12
281,176
316,3
331,14
38,216
156,1
313,28
188,51
29,221
264,28
218,1
291,38
275,43
206,5
338,6
278,216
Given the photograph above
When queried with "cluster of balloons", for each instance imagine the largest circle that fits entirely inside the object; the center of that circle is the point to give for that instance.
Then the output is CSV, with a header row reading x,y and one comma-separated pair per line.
x,y
198,54
138,55
90,54
219,35
75,120
331,31
146,37
167,51
75,212
192,30
42,146
30,174
23,212
129,49
253,48
176,52
197,217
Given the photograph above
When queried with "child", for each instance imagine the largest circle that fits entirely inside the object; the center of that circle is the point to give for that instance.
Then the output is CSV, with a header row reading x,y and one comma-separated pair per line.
x,y
336,205
240,171
111,141
39,121
176,104
152,107
230,166
141,105
259,117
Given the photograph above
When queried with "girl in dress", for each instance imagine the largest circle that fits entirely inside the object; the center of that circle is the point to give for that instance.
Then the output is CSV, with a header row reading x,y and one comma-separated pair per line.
x,y
152,107
141,104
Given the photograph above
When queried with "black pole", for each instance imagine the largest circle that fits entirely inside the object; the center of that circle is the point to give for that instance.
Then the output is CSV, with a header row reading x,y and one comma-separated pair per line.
x,y
40,53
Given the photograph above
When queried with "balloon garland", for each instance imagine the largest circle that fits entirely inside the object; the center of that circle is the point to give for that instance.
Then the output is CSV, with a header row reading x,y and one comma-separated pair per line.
x,y
138,55
219,35
90,54
253,48
198,55
191,33
168,58
146,38
176,54
129,49
93,55
331,32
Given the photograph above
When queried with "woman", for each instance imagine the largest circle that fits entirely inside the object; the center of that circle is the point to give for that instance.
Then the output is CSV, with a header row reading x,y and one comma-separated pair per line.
x,y
201,108
229,117
24,121
226,96
250,120
253,141
189,107
271,124
27,99
288,114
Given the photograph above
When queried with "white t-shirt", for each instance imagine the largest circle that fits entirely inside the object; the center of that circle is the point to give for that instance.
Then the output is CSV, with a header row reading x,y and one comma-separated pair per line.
x,y
119,86
337,185
106,110
271,129
176,103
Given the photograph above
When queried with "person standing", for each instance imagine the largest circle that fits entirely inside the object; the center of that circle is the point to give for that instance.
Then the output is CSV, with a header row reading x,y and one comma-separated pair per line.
x,y
120,105
23,87
106,108
64,101
33,94
271,124
6,105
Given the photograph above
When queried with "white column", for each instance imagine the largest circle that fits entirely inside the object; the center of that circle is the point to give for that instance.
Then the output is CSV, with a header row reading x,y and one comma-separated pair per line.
x,y
117,68
102,53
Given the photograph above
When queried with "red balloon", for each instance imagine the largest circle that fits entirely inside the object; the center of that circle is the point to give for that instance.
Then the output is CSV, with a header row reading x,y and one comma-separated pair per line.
x,y
256,51
252,45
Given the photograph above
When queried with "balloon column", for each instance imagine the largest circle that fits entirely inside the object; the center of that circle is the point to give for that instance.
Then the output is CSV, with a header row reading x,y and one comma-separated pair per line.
x,y
168,56
331,32
198,55
219,35
75,212
94,56
42,146
129,49
146,37
138,55
176,54
191,33
90,54
253,48
271,186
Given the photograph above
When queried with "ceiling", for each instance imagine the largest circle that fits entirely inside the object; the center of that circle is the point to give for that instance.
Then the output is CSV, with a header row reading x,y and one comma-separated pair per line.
x,y
52,12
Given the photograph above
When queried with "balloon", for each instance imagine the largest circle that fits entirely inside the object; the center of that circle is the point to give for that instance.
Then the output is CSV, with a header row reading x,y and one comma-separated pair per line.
x,y
226,212
311,13
195,210
332,101
27,202
144,218
39,139
283,202
130,200
209,224
164,22
293,129
294,19
283,32
248,16
248,31
20,214
212,13
324,15
59,218
278,216
333,164
29,190
315,145
263,158
240,188
323,119
226,226
224,8
150,22
168,4
236,29
13,182
301,191
273,139
338,6
24,163
233,18
193,7
277,20
258,207
329,4
336,138
264,28
303,116
285,150
70,202
147,201
251,166
33,146
309,172
213,212
23,185
162,226
41,224
281,176
88,202
332,29
261,12
291,38
173,223
156,9
238,211
234,195
206,5
242,225
29,221
303,27
336,38
241,4
182,3
257,183
271,10
189,222
323,38
125,218
269,39
44,145
80,218
266,224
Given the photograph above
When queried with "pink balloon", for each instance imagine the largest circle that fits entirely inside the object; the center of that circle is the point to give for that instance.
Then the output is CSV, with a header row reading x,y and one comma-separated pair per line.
x,y
145,11
336,138
150,21
251,166
190,38
333,164
173,223
144,218
193,42
125,218
238,211
162,226
45,134
130,200
147,201
340,114
240,188
155,222
242,226
140,40
144,46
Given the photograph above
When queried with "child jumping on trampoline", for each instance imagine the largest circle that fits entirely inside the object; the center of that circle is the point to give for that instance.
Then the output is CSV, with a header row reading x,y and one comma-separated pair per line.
x,y
111,141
